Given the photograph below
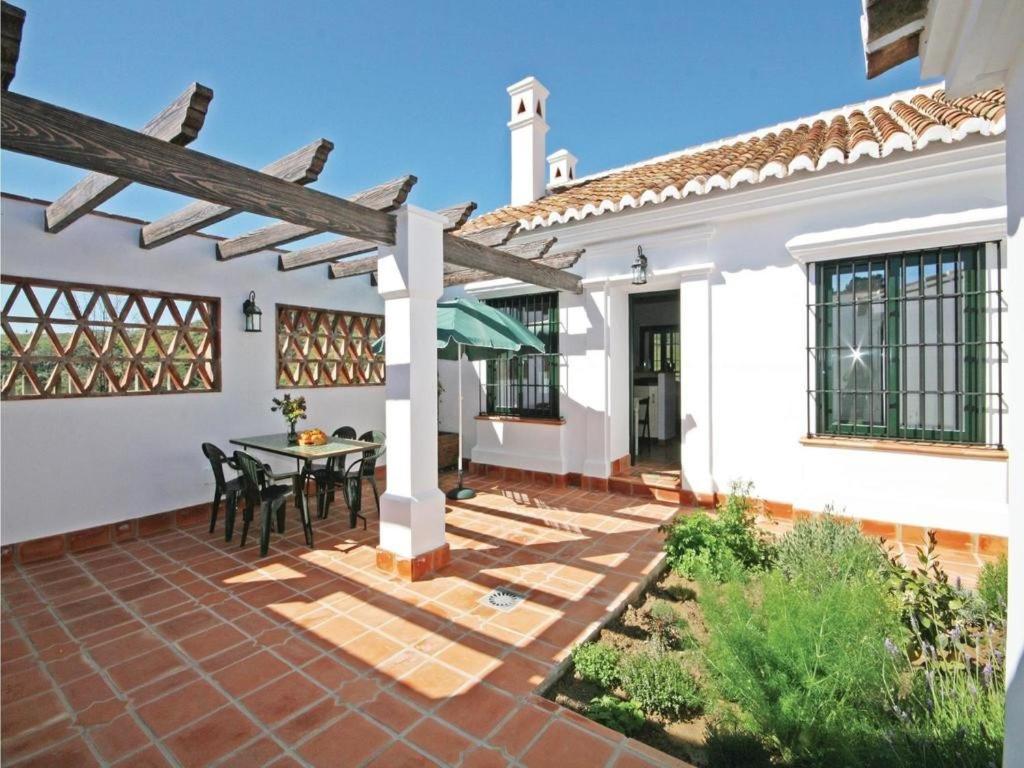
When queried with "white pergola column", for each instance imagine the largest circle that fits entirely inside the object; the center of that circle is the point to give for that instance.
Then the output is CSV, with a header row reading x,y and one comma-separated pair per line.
x,y
695,385
409,279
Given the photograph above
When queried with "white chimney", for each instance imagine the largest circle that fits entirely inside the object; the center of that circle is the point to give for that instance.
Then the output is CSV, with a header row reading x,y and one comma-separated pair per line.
x,y
528,126
561,168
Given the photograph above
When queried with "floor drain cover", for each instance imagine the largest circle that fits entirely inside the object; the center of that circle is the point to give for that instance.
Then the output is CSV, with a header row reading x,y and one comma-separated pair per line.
x,y
503,599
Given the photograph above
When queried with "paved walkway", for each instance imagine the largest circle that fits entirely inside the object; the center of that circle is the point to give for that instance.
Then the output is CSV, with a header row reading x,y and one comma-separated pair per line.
x,y
183,650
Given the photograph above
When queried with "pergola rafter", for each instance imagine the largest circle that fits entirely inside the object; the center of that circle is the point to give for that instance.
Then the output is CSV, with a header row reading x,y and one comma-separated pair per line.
x,y
562,260
13,21
179,123
528,251
303,166
383,197
456,215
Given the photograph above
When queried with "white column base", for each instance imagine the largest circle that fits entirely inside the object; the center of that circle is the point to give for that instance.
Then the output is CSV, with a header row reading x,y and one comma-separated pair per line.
x,y
412,525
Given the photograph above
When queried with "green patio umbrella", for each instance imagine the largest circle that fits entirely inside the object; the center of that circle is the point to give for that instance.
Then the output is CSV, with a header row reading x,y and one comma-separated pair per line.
x,y
476,330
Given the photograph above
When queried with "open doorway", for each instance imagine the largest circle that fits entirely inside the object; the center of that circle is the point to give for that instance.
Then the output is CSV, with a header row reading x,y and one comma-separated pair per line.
x,y
654,384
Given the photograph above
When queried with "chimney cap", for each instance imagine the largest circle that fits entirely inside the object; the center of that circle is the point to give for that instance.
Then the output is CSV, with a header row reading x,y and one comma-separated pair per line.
x,y
526,84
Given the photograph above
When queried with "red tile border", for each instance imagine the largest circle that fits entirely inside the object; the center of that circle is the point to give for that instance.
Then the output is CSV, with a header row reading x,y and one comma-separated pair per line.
x,y
90,538
40,549
413,568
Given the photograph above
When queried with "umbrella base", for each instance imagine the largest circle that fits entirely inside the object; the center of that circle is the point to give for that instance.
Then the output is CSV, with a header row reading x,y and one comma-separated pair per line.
x,y
460,493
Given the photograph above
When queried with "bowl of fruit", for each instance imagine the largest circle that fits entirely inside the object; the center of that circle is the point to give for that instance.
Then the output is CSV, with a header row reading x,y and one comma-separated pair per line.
x,y
313,437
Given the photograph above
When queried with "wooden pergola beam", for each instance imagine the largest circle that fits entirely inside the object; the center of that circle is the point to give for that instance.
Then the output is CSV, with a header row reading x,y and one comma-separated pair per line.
x,y
346,246
349,268
179,123
13,19
44,130
303,166
465,253
383,197
562,260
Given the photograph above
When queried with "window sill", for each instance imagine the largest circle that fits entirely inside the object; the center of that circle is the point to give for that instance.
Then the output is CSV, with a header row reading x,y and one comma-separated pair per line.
x,y
904,446
522,420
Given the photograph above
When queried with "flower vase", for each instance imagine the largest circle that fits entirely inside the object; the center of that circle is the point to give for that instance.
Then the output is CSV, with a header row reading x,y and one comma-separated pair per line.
x,y
293,436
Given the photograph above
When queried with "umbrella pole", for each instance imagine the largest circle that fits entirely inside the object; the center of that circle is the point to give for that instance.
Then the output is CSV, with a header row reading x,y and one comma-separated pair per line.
x,y
460,492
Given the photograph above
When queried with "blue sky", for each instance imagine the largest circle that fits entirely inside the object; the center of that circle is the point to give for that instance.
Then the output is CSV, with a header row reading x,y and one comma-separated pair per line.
x,y
419,87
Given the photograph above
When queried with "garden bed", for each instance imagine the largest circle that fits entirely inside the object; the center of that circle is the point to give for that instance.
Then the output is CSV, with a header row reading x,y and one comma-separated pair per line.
x,y
631,633
815,648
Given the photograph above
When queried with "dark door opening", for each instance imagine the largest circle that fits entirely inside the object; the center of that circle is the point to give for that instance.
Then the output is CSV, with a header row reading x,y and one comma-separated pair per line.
x,y
654,354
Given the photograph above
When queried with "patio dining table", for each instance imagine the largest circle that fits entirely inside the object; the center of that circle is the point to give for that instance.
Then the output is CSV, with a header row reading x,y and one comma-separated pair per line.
x,y
304,456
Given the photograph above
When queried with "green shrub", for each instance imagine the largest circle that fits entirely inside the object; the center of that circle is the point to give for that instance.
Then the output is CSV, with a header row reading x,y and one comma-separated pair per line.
x,y
938,614
668,629
660,685
598,663
727,747
827,548
950,711
805,661
719,547
623,716
992,586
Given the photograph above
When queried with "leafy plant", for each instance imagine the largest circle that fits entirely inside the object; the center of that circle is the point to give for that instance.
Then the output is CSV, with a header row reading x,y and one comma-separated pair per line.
x,y
937,612
992,586
597,662
623,716
827,547
804,660
949,711
668,629
720,546
292,408
660,685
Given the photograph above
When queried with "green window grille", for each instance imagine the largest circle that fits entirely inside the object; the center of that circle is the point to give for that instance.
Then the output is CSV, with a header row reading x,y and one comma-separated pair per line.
x,y
526,385
908,346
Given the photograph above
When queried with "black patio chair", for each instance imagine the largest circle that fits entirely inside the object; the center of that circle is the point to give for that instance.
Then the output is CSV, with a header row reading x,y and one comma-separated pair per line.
x,y
361,470
258,493
333,473
229,489
645,419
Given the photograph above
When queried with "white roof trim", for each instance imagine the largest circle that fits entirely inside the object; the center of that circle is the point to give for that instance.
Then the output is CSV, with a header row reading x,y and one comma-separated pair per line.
x,y
936,231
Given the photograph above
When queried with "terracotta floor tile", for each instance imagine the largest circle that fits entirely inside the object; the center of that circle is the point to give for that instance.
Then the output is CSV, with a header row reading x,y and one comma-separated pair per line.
x,y
483,757
212,641
250,673
311,720
150,757
401,756
73,751
477,711
348,742
117,738
521,729
260,752
141,670
186,624
204,741
24,714
564,746
282,698
430,683
169,713
439,740
391,711
329,673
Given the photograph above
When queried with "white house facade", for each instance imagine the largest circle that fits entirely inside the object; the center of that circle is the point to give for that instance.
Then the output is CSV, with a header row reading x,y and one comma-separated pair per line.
x,y
899,204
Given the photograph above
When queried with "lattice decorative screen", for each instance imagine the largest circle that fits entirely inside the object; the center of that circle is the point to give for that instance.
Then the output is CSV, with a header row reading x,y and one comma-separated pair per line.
x,y
78,340
325,348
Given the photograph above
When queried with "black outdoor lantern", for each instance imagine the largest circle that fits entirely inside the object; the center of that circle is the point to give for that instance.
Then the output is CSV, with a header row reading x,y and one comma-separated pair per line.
x,y
253,314
640,267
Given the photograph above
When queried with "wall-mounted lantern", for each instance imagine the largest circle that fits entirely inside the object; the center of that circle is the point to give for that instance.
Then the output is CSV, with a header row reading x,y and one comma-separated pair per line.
x,y
640,267
253,314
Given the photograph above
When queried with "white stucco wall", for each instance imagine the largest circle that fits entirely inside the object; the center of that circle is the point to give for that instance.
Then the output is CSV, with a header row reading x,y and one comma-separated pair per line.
x,y
757,366
71,464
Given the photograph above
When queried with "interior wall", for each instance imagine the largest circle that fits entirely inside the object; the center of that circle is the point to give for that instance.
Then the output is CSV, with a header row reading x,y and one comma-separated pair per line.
x,y
81,462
